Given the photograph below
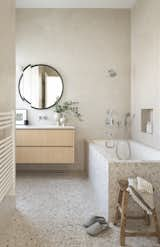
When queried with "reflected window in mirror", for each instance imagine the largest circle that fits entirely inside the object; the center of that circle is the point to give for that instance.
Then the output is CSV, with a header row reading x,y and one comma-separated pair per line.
x,y
41,86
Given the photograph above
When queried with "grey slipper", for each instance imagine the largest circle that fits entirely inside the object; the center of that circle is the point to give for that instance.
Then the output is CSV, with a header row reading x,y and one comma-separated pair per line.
x,y
97,228
93,220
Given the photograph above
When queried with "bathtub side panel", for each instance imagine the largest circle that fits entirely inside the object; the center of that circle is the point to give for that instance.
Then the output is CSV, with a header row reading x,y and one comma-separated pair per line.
x,y
98,175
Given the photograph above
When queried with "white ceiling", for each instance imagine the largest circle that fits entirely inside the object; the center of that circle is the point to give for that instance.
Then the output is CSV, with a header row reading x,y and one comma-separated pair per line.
x,y
75,3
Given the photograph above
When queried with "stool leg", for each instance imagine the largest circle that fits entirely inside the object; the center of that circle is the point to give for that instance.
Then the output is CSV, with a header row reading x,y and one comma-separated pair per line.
x,y
116,218
123,218
156,224
147,219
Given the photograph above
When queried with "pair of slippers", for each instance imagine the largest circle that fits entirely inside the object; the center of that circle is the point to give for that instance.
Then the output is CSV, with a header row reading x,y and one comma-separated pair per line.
x,y
96,225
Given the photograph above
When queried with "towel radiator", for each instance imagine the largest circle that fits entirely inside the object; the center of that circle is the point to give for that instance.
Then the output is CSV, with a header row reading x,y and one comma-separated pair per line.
x,y
7,154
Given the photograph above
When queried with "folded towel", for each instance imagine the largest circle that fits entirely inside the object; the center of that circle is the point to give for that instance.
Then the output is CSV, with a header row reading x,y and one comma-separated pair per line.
x,y
142,193
144,186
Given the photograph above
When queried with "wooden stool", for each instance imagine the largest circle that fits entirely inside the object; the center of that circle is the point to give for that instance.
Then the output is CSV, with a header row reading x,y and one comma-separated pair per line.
x,y
121,211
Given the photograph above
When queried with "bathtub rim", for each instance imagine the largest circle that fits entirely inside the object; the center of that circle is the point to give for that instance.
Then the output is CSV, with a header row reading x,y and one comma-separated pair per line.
x,y
110,161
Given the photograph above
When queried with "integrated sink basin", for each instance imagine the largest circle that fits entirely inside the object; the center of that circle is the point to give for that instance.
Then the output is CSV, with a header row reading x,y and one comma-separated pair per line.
x,y
43,127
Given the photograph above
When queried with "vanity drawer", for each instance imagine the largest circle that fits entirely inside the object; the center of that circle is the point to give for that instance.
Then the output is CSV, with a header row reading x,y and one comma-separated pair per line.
x,y
47,155
45,138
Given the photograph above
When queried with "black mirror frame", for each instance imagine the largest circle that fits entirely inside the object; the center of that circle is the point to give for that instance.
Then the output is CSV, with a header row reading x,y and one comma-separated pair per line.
x,y
19,82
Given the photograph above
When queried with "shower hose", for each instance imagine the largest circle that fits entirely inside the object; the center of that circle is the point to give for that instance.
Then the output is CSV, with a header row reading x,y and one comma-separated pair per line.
x,y
129,151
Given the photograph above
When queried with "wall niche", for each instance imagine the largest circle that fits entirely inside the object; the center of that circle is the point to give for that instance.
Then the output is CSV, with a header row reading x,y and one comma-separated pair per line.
x,y
147,121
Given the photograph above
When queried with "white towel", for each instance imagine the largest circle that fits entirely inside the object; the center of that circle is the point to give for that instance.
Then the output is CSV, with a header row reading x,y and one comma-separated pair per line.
x,y
142,193
144,186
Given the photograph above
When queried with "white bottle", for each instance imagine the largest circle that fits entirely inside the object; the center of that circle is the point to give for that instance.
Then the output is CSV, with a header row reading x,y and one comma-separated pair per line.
x,y
149,128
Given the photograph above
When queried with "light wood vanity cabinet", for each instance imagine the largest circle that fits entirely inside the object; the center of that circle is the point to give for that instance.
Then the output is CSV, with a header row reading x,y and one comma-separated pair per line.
x,y
45,146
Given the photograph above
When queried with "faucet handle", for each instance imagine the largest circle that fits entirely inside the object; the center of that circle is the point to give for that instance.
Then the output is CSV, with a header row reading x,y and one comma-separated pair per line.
x,y
40,117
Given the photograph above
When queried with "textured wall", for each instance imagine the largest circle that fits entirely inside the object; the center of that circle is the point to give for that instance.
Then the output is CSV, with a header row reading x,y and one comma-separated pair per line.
x,y
145,68
7,57
82,44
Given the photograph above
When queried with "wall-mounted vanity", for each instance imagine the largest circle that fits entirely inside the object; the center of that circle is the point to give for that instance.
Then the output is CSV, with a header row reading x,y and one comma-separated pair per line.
x,y
45,145
41,86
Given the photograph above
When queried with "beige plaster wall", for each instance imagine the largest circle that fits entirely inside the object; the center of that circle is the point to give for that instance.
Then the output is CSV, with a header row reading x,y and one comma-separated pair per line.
x,y
146,68
82,44
7,57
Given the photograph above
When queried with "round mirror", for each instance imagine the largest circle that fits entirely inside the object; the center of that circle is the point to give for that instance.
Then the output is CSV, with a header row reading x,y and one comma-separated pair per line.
x,y
41,86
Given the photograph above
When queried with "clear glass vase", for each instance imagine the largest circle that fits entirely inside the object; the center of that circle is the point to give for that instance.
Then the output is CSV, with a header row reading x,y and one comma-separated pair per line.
x,y
57,117
63,119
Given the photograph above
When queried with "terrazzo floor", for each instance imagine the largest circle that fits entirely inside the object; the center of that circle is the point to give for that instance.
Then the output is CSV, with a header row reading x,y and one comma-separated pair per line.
x,y
51,209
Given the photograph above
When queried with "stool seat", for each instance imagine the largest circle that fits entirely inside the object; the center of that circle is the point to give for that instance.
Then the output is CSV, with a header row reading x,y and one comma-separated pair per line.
x,y
121,215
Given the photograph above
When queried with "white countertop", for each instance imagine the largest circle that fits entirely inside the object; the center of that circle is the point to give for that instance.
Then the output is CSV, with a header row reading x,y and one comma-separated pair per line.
x,y
43,127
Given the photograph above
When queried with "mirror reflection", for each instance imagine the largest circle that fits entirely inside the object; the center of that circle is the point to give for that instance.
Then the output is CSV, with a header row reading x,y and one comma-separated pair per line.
x,y
41,86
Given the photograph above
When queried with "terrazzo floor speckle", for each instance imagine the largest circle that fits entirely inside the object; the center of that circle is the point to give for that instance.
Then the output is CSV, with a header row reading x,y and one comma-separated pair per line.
x,y
51,209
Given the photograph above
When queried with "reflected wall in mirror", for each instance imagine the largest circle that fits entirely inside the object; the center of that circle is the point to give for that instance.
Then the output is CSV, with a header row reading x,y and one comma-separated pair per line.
x,y
41,86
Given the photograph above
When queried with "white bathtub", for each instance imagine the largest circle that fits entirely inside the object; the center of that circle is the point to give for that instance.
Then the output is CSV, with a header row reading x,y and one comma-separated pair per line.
x,y
105,170
139,152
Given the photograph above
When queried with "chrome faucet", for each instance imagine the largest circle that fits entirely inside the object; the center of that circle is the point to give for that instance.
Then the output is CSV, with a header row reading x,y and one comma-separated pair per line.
x,y
109,119
127,119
